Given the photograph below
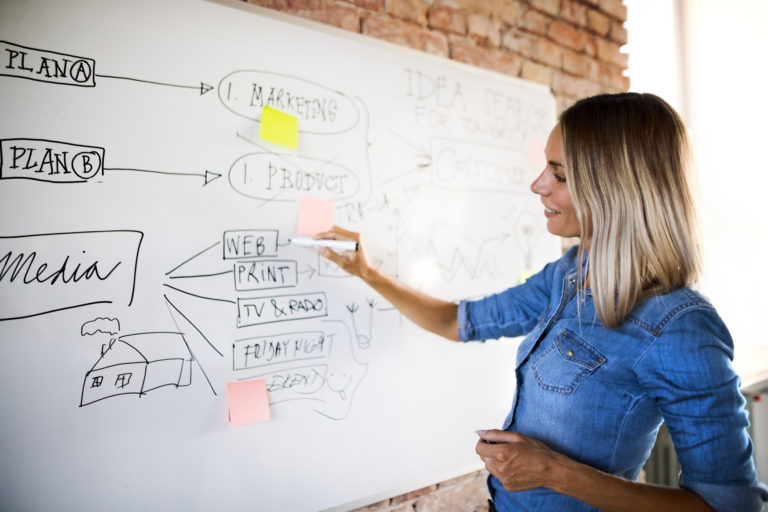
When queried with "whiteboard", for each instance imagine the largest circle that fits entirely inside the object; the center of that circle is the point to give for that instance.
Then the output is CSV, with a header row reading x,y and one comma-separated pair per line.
x,y
145,263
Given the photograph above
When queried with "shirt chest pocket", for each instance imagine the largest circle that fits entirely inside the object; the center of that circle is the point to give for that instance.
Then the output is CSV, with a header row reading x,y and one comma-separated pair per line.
x,y
566,363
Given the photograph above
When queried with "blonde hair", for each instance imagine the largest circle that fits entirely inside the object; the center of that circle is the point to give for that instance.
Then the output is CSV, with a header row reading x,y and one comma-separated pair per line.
x,y
627,168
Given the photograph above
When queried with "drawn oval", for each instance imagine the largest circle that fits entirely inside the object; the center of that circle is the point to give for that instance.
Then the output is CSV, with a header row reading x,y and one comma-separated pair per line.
x,y
284,178
319,109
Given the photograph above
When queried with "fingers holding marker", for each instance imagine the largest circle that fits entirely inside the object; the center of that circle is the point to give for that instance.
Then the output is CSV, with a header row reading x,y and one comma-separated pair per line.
x,y
338,233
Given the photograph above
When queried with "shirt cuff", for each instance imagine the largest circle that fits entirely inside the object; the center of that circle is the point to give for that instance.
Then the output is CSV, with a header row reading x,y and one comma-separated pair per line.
x,y
725,497
462,318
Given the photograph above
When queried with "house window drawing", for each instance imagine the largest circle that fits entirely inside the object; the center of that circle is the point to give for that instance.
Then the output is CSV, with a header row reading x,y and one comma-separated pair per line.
x,y
122,380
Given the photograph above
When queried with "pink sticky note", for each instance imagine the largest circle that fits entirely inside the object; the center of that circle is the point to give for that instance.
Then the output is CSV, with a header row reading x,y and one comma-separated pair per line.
x,y
315,216
248,401
536,155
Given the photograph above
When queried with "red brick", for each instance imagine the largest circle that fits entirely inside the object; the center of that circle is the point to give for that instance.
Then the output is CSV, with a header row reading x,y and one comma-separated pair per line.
x,y
471,496
575,87
325,11
548,52
611,52
533,21
405,507
376,507
606,74
410,10
459,480
562,103
618,32
549,6
520,42
413,494
574,12
406,34
371,5
279,5
615,8
590,47
578,64
613,79
504,11
598,22
489,58
536,72
567,35
484,30
443,17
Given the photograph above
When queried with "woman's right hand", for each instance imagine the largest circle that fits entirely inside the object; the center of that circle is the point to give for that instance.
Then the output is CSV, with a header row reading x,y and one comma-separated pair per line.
x,y
432,314
352,262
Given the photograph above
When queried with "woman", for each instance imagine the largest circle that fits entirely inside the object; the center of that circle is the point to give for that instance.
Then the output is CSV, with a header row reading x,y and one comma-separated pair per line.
x,y
616,341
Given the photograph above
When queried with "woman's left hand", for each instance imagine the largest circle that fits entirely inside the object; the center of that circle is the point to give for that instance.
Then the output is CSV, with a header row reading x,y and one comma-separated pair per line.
x,y
519,462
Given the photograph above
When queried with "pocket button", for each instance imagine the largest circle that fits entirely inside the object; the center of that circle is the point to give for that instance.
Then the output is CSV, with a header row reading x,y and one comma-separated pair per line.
x,y
569,353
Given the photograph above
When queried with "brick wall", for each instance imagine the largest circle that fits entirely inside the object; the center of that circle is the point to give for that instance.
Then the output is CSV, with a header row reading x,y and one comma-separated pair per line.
x,y
572,46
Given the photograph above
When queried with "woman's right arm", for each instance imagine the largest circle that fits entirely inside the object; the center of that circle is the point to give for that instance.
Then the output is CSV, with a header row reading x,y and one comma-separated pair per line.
x,y
434,315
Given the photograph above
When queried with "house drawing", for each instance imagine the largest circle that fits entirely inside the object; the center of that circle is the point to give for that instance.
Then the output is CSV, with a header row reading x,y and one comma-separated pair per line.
x,y
135,364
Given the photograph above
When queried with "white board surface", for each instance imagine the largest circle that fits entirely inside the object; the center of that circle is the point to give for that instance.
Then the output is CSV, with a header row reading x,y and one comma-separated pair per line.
x,y
144,261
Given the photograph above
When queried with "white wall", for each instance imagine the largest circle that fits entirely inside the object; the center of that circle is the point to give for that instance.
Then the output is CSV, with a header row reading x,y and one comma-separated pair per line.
x,y
706,57
726,112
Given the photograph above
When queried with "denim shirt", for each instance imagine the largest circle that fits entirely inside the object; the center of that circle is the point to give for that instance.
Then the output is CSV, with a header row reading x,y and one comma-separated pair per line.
x,y
599,395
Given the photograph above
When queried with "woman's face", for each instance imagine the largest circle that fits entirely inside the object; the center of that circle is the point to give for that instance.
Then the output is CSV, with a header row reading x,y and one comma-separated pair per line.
x,y
551,186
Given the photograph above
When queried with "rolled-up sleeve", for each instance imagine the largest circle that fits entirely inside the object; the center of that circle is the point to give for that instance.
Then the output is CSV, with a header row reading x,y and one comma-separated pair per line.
x,y
688,373
512,312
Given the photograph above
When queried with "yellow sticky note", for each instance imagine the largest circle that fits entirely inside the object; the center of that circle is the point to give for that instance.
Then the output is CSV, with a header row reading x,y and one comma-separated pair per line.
x,y
279,128
315,216
248,401
524,275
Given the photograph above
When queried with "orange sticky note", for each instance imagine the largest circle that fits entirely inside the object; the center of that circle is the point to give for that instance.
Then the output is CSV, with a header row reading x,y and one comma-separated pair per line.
x,y
248,401
315,216
279,127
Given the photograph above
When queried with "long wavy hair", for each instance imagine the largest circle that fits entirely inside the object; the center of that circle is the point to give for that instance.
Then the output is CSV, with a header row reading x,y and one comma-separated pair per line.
x,y
628,172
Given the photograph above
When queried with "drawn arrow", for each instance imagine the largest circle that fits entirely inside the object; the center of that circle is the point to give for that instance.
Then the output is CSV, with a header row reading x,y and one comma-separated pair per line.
x,y
503,238
203,87
208,176
311,271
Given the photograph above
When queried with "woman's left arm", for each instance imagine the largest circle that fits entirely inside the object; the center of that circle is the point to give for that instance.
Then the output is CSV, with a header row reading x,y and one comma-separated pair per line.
x,y
521,463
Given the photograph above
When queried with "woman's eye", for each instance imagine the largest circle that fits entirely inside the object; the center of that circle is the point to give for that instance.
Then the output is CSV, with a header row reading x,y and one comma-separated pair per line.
x,y
559,178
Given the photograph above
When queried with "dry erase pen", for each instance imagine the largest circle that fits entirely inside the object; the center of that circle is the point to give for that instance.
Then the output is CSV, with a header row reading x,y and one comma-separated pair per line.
x,y
345,245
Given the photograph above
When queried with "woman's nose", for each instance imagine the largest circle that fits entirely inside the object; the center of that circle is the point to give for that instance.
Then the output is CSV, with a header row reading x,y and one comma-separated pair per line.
x,y
539,185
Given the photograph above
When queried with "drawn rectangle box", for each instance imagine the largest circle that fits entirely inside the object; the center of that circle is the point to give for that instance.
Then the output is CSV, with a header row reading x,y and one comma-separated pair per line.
x,y
280,308
250,243
49,160
47,66
265,274
475,167
275,349
44,273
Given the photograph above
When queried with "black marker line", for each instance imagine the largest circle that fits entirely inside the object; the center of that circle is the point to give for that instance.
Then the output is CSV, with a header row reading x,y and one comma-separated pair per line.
x,y
208,174
200,296
190,259
202,275
412,170
65,308
420,151
192,324
192,354
203,87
